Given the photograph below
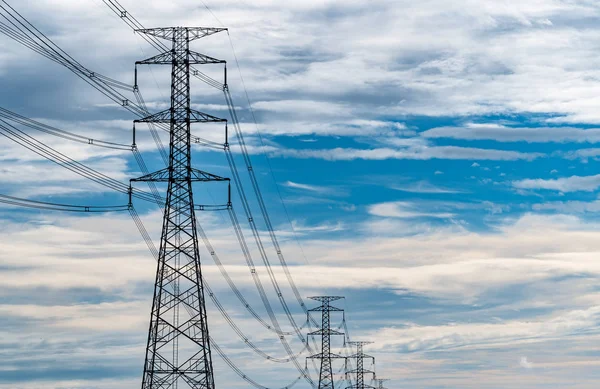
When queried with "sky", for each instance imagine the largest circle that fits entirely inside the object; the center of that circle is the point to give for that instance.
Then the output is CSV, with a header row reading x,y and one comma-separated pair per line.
x,y
434,162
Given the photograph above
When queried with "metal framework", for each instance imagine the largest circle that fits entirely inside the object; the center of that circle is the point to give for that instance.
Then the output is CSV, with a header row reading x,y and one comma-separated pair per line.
x,y
178,350
360,356
326,373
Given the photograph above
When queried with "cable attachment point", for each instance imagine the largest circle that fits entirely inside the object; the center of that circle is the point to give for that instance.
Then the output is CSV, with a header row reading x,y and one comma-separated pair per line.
x,y
130,193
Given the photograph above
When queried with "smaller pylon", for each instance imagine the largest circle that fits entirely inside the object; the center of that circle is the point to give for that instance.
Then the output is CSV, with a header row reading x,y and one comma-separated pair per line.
x,y
360,371
380,382
326,374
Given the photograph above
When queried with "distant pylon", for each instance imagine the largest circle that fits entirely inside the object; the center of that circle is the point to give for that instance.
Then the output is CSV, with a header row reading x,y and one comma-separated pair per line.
x,y
178,350
326,373
360,371
380,382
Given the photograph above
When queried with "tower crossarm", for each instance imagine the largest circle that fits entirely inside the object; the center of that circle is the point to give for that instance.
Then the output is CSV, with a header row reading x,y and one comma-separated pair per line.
x,y
326,298
362,371
166,174
192,33
361,343
361,355
331,355
326,332
168,58
168,115
329,308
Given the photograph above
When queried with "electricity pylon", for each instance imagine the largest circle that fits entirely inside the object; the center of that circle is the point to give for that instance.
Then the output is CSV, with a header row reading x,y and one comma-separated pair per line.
x,y
326,374
380,382
360,371
178,349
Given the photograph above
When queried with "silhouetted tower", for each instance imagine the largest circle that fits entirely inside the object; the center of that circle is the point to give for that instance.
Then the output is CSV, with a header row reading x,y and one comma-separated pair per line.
x,y
380,382
326,373
360,356
178,350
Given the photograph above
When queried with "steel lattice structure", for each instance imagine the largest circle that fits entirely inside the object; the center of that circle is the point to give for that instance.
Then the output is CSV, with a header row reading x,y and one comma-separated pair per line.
x,y
360,356
178,350
326,373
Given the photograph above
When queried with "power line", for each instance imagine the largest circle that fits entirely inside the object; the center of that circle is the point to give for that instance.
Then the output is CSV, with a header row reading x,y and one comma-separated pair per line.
x,y
47,152
26,203
35,125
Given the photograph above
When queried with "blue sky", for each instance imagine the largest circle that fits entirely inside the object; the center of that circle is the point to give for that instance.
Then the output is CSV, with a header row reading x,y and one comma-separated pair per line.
x,y
437,161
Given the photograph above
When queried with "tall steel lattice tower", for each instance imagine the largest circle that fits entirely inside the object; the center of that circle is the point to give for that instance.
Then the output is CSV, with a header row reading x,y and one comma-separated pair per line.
x,y
326,373
360,356
178,351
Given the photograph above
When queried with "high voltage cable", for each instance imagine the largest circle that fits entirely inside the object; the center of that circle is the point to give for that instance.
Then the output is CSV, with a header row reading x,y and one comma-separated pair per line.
x,y
252,174
241,374
20,202
252,222
9,115
101,83
28,35
261,203
47,152
229,280
260,246
46,44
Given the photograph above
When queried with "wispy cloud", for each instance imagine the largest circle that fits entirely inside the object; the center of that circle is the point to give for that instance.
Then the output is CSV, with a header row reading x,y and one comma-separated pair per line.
x,y
565,185
501,133
316,188
425,153
404,210
424,187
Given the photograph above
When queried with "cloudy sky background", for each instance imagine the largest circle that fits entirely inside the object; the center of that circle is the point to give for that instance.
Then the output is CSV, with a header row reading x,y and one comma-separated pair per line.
x,y
438,161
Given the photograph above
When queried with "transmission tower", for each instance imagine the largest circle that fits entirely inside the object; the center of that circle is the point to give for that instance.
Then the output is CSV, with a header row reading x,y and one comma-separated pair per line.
x,y
178,350
326,374
360,356
380,382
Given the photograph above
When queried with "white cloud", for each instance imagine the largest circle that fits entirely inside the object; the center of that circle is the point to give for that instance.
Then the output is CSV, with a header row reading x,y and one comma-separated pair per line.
x,y
310,188
424,187
486,335
565,185
424,153
569,207
524,363
582,154
500,133
404,210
